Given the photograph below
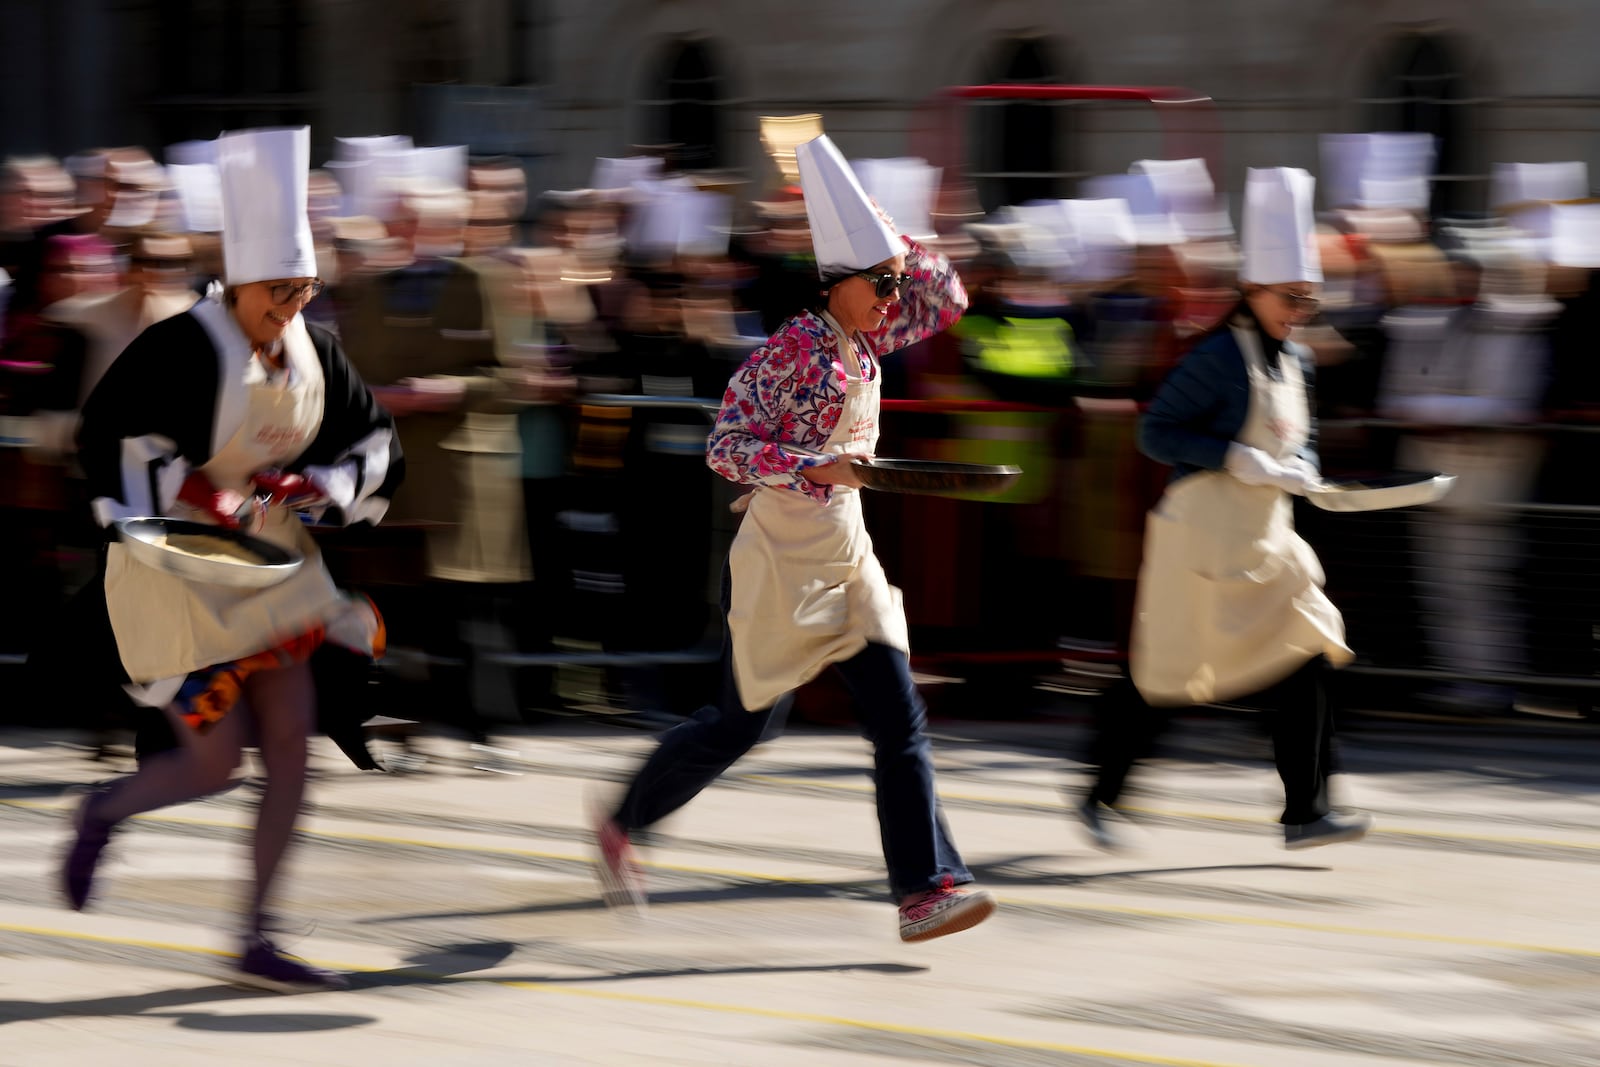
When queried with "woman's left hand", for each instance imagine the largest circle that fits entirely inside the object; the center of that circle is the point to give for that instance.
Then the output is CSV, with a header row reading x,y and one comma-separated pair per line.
x,y
839,472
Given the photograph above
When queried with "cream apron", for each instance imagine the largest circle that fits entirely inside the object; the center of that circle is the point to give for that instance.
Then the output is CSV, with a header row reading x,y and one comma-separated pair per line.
x,y
807,589
166,626
1230,598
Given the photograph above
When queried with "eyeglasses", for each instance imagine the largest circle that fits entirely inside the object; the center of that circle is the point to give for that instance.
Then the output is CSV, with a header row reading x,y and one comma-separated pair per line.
x,y
886,282
1300,301
284,292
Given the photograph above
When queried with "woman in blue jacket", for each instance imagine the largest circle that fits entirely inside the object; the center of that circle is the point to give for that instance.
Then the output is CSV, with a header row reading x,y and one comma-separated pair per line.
x,y
1230,599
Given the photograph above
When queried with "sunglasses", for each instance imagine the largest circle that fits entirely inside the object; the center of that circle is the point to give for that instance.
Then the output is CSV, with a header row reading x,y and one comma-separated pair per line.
x,y
885,283
284,292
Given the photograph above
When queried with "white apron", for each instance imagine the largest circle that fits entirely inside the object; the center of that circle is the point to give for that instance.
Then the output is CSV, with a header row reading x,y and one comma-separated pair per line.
x,y
1230,598
166,626
807,589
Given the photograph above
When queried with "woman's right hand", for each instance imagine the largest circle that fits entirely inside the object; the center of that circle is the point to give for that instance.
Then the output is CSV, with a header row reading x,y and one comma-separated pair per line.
x,y
839,472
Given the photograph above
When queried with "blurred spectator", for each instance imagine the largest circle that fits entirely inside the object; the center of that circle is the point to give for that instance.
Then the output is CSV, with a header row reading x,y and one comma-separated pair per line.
x,y
420,332
156,285
1469,376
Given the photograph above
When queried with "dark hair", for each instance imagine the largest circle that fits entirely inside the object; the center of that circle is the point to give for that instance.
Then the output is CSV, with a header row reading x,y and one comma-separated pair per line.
x,y
1240,307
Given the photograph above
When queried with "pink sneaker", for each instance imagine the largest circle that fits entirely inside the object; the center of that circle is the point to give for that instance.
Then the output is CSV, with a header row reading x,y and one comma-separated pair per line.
x,y
621,880
946,910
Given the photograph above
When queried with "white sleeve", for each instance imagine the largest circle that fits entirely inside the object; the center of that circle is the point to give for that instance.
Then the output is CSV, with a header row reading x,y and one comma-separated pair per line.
x,y
352,481
152,475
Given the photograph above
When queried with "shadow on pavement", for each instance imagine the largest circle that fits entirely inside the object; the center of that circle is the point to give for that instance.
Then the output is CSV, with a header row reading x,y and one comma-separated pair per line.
x,y
1015,871
862,889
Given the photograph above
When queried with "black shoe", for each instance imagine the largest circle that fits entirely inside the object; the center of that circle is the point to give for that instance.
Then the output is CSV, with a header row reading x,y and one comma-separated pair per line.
x,y
1097,818
1328,830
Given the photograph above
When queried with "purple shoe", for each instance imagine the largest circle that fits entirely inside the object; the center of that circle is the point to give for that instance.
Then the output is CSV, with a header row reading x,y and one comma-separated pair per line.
x,y
77,870
262,966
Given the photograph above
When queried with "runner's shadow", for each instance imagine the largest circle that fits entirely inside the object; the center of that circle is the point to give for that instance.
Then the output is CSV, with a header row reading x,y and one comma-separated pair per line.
x,y
864,889
1024,870
429,966
159,1004
410,977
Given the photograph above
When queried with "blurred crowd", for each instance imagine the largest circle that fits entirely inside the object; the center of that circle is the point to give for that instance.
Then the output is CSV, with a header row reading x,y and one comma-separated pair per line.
x,y
550,356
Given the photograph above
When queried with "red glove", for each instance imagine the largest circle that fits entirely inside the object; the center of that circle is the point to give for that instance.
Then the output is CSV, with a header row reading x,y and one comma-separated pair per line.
x,y
296,490
227,507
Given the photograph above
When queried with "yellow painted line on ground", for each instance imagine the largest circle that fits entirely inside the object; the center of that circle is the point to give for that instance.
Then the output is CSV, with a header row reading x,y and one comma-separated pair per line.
x,y
110,939
1179,813
616,996
1131,911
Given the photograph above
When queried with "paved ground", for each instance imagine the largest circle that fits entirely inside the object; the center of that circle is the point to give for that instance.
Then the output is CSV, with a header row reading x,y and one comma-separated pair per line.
x,y
1463,933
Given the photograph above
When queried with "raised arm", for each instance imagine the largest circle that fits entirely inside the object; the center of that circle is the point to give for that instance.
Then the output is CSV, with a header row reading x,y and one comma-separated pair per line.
x,y
933,301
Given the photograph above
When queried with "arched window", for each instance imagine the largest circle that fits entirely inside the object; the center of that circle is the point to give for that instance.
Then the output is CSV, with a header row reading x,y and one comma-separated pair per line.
x,y
1418,87
230,64
683,111
525,61
1019,143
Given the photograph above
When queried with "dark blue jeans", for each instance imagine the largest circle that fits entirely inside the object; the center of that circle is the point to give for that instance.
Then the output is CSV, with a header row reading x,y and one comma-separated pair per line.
x,y
916,842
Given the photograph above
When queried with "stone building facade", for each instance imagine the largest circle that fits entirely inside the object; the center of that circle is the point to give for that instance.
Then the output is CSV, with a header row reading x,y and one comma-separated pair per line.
x,y
559,82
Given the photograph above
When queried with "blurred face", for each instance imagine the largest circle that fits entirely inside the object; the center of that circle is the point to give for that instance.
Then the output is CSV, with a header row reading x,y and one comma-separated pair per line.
x,y
265,309
1282,308
153,274
857,301
72,273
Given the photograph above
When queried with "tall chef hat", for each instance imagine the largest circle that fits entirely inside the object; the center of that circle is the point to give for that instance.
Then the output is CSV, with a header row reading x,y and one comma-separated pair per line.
x,y
1153,224
200,193
1105,238
846,232
1279,236
1575,235
905,189
1185,191
265,231
617,175
1538,183
189,152
1378,170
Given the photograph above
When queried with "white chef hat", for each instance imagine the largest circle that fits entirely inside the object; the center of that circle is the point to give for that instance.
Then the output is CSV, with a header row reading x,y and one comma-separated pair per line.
x,y
654,224
1153,224
1184,190
355,149
265,231
676,218
1575,235
1103,237
1048,240
1396,169
438,168
1279,235
1387,170
904,188
614,175
846,232
1538,183
707,223
133,208
369,171
186,152
200,192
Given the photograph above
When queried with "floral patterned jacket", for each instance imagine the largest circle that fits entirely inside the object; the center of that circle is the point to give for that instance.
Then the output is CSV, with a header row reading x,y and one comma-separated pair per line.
x,y
791,389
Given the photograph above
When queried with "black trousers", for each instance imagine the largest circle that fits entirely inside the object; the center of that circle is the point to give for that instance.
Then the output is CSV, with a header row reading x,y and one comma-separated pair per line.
x,y
1295,713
